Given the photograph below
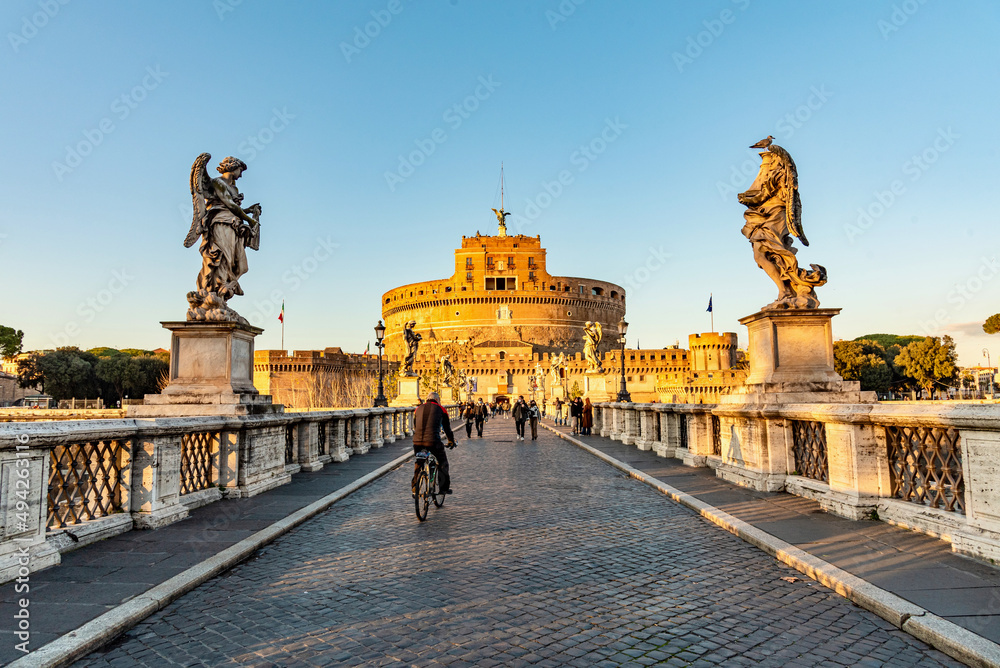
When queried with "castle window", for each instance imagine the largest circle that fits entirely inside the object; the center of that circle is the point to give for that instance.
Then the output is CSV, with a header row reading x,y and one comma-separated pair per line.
x,y
597,292
456,312
552,288
468,263
448,289
468,277
569,313
489,262
614,293
531,275
387,300
531,262
503,355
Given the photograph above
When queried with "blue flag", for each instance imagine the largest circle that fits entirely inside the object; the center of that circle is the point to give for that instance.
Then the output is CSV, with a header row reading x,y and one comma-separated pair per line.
x,y
709,309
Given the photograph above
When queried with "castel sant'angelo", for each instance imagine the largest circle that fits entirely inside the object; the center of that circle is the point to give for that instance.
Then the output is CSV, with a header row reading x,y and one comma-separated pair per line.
x,y
503,320
501,291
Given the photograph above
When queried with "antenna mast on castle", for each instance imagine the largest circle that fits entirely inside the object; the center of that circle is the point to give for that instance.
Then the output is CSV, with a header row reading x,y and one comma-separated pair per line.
x,y
501,214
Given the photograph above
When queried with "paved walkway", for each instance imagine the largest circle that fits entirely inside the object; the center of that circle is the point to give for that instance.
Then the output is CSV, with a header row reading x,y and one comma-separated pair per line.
x,y
914,566
96,578
544,555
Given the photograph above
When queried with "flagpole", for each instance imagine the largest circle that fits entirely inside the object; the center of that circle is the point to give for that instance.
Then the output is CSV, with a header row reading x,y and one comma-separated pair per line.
x,y
712,312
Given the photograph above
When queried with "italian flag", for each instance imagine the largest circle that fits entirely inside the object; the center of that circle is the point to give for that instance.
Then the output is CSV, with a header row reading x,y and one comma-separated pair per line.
x,y
281,316
368,347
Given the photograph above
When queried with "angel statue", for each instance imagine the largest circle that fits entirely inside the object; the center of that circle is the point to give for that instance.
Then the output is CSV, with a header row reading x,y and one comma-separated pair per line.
x,y
556,362
412,340
773,216
592,336
539,377
226,230
447,371
502,217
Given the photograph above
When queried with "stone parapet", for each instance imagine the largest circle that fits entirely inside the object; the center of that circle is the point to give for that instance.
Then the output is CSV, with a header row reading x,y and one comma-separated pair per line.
x,y
931,468
86,480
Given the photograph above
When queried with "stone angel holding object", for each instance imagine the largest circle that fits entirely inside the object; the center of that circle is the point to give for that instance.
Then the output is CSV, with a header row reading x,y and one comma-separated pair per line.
x,y
592,336
773,216
226,230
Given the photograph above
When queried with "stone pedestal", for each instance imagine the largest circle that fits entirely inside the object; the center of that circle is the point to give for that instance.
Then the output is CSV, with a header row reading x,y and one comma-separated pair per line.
x,y
595,386
791,360
211,373
409,391
450,395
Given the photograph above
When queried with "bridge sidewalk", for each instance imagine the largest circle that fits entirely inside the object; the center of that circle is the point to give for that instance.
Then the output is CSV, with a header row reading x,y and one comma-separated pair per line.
x,y
913,566
101,577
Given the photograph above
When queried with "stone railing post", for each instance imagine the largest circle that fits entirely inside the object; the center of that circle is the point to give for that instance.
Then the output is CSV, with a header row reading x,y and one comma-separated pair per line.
x,y
630,427
24,465
156,482
308,444
607,420
388,428
375,434
336,443
359,420
648,424
228,462
262,456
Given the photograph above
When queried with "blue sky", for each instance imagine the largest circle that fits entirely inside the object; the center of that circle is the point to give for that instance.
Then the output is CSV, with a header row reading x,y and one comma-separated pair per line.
x,y
888,108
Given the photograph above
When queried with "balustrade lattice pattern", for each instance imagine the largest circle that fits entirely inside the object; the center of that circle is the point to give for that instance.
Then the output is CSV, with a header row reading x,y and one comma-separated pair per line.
x,y
925,466
87,481
196,460
809,449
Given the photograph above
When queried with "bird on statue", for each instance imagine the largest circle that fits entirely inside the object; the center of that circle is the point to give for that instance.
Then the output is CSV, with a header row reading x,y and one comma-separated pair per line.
x,y
764,143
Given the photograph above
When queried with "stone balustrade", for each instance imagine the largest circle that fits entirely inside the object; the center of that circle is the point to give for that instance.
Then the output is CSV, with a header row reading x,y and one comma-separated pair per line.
x,y
64,484
932,468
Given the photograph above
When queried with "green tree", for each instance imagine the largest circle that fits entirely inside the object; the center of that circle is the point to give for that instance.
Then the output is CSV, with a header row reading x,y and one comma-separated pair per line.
x,y
863,361
142,375
930,361
887,341
112,369
11,341
992,324
68,373
575,391
29,371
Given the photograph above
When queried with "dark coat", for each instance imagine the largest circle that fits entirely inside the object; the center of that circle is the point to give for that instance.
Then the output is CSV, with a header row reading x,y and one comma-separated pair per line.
x,y
428,421
520,411
588,416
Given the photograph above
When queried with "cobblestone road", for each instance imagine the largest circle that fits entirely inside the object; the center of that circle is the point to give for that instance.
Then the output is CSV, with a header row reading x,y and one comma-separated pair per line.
x,y
543,556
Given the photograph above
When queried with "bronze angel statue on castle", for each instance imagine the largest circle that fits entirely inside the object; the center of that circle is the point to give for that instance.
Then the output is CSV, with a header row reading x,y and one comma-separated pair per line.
x,y
773,216
226,230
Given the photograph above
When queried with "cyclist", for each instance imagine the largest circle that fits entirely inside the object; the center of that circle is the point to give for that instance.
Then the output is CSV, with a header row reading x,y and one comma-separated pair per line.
x,y
428,421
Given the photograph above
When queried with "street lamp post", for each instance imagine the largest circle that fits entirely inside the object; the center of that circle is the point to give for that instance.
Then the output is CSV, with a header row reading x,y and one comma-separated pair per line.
x,y
380,400
623,395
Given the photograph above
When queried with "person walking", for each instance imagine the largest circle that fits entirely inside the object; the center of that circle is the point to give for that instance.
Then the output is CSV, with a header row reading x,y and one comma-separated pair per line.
x,y
558,413
468,412
480,417
520,415
565,413
588,416
533,415
428,421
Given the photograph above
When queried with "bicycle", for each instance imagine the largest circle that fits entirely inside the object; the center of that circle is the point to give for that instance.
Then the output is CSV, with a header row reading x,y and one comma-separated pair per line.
x,y
428,485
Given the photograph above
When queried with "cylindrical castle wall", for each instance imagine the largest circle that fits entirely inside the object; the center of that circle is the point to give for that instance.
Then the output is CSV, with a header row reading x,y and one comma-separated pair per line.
x,y
551,321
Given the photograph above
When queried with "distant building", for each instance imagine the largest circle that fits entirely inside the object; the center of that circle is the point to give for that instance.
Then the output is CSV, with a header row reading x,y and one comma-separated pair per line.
x,y
320,378
714,370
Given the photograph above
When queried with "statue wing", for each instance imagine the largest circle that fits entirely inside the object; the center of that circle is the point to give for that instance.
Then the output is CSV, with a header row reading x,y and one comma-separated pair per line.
x,y
600,334
790,193
200,185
